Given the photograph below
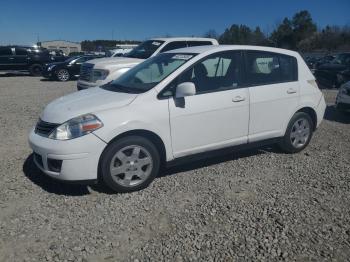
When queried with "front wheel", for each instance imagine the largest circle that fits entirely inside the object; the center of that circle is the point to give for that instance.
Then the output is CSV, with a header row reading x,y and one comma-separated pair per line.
x,y
130,164
298,134
63,75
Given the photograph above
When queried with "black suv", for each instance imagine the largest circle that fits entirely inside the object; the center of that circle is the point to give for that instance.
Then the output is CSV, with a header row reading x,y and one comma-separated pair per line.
x,y
23,58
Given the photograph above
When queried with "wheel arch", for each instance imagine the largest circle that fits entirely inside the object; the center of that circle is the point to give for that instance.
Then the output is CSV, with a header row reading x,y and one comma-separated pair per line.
x,y
312,113
153,137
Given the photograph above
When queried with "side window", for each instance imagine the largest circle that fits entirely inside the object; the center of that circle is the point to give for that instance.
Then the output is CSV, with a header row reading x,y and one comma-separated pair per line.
x,y
174,45
288,65
5,51
217,72
21,51
268,68
198,43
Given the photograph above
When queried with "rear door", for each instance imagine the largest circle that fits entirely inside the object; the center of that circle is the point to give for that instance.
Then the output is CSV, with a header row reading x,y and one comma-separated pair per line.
x,y
6,58
274,93
20,58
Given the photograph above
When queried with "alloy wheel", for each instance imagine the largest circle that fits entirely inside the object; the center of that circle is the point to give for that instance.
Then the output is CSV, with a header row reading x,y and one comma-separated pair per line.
x,y
300,133
131,166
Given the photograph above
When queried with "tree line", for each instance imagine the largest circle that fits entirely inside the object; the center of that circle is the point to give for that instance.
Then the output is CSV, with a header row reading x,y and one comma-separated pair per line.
x,y
297,33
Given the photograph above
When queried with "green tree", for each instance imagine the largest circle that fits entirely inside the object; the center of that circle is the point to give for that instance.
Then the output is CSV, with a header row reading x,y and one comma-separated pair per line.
x,y
283,36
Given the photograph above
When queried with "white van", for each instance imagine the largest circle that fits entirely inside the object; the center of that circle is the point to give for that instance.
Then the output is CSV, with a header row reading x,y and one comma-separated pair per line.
x,y
103,70
177,104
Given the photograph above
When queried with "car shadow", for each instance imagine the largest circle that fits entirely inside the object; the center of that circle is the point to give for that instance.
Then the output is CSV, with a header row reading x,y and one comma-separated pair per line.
x,y
50,185
333,114
14,74
215,158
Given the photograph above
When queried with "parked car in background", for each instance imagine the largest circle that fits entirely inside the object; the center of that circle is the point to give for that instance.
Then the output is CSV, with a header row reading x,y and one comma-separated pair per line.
x,y
176,104
342,101
326,74
58,55
343,76
314,62
102,71
63,71
120,50
76,54
23,59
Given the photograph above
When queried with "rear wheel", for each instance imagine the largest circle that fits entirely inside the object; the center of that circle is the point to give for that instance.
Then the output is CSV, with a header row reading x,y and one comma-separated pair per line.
x,y
63,75
298,134
130,164
35,70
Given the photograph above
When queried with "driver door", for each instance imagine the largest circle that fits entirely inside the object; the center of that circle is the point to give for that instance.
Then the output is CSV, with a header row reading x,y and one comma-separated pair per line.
x,y
218,115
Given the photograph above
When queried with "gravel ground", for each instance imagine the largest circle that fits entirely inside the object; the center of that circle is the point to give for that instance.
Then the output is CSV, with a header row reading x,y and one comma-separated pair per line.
x,y
254,205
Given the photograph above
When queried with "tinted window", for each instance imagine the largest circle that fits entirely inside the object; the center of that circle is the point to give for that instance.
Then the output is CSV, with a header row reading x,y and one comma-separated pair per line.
x,y
174,45
198,43
268,68
21,51
217,72
145,49
5,51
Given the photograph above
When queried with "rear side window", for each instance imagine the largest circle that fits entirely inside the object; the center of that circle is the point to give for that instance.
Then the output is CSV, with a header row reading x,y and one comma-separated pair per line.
x,y
199,43
21,51
174,45
4,51
264,68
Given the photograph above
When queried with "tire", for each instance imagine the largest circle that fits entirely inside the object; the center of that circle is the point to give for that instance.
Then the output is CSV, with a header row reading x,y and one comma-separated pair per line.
x,y
35,70
62,75
129,164
298,134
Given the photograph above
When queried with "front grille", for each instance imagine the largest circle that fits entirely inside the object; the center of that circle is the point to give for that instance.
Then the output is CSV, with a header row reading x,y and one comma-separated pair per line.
x,y
44,128
85,71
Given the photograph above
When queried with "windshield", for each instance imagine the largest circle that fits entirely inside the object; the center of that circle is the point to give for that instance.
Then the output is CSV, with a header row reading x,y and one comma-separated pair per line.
x,y
148,74
145,49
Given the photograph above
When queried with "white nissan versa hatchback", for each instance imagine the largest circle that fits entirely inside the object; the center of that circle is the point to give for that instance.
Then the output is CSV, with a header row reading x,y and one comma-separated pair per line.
x,y
176,104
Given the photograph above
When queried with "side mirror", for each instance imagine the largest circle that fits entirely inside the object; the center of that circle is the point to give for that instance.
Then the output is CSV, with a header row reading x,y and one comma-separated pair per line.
x,y
185,89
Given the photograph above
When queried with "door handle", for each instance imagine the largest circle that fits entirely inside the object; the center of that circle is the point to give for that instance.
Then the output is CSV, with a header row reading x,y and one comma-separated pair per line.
x,y
238,99
291,91
11,58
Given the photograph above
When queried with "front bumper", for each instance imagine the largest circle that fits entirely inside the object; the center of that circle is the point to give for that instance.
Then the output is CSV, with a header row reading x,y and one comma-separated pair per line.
x,y
78,158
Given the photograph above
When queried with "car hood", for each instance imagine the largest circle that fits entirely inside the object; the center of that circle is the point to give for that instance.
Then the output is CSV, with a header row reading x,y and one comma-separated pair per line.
x,y
56,64
114,62
83,102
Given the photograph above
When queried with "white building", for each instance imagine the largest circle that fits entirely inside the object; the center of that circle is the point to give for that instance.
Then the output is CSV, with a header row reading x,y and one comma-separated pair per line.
x,y
66,46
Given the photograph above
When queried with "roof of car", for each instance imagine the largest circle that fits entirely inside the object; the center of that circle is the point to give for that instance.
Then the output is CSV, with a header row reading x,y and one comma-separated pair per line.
x,y
183,39
218,48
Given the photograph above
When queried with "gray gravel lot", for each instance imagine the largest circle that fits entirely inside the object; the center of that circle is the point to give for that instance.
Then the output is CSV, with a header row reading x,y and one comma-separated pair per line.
x,y
253,205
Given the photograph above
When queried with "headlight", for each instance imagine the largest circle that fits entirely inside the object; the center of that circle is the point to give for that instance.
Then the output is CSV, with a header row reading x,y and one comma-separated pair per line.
x,y
76,127
99,74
